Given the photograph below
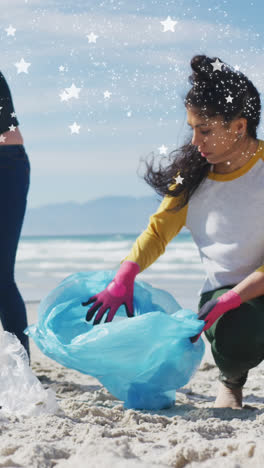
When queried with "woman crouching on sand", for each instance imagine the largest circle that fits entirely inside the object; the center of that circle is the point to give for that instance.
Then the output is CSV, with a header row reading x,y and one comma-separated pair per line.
x,y
213,185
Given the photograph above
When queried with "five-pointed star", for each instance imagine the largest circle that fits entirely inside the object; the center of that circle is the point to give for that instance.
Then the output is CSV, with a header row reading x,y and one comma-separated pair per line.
x,y
12,128
13,114
168,24
229,98
61,68
2,138
10,30
163,149
107,94
75,128
64,96
22,66
217,65
179,179
73,92
92,37
237,67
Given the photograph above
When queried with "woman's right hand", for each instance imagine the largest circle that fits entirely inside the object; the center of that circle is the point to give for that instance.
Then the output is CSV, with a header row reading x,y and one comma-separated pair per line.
x,y
119,292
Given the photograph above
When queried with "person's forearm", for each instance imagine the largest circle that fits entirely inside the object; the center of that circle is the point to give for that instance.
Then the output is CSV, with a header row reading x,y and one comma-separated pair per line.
x,y
250,287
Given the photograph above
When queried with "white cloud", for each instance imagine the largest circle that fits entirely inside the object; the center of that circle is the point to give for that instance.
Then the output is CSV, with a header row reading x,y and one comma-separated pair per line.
x,y
86,160
123,30
47,34
145,69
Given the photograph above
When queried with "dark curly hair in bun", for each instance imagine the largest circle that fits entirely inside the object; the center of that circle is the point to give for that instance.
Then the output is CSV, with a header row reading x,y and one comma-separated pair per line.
x,y
212,82
211,88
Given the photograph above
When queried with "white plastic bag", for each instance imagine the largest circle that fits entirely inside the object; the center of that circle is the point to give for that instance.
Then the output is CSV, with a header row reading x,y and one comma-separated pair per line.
x,y
21,393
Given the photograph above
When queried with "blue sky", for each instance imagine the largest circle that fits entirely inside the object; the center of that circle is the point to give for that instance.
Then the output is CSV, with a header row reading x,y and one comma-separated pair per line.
x,y
144,69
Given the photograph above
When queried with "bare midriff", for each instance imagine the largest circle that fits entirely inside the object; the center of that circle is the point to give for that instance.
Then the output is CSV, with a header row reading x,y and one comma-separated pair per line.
x,y
11,138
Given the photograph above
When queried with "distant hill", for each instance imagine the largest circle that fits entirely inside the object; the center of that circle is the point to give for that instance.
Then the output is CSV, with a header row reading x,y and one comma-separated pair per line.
x,y
107,215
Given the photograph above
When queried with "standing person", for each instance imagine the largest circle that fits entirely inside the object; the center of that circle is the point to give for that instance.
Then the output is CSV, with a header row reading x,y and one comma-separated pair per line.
x,y
213,185
14,184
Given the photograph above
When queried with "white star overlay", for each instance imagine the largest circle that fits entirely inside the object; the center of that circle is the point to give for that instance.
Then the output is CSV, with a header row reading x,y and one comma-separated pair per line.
x,y
2,138
61,68
73,91
107,94
168,24
92,37
75,128
69,93
22,66
217,65
64,96
229,98
10,31
163,149
13,114
179,179
12,128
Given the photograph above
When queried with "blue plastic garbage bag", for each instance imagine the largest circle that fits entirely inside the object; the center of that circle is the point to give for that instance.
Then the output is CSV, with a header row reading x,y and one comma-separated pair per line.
x,y
140,360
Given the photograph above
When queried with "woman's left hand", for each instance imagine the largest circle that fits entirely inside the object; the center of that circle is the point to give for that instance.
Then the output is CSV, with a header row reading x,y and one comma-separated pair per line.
x,y
213,309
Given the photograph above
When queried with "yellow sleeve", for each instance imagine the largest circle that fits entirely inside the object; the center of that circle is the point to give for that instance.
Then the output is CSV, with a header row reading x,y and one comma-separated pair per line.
x,y
163,226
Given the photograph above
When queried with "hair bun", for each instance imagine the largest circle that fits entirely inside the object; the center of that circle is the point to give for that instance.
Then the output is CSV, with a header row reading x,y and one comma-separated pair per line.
x,y
202,69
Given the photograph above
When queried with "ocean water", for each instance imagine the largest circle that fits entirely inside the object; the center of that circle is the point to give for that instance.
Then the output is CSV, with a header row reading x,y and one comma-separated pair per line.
x,y
42,262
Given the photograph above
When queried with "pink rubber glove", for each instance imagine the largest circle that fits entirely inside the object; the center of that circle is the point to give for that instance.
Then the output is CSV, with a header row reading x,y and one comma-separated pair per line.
x,y
119,292
213,309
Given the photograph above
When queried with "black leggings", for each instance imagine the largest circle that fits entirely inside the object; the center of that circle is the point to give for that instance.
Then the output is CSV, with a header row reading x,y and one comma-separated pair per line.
x,y
237,338
14,184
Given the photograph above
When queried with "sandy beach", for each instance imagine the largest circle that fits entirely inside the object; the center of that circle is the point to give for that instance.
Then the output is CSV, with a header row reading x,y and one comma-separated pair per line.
x,y
92,428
